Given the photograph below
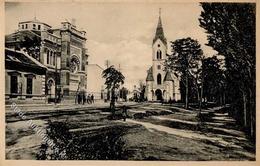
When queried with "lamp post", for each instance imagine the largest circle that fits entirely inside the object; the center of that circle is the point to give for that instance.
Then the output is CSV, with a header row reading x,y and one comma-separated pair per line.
x,y
56,73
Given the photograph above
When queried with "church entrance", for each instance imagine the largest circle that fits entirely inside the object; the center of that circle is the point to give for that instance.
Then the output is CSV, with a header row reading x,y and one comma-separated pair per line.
x,y
158,94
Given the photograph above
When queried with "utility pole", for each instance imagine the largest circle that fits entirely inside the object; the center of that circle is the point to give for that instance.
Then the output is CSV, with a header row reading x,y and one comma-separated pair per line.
x,y
119,68
56,80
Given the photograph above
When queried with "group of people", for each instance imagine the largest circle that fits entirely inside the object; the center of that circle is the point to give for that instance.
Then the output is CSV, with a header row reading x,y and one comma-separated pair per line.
x,y
82,98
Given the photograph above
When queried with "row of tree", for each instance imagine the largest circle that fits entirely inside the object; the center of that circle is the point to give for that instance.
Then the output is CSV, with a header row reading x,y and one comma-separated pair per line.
x,y
231,32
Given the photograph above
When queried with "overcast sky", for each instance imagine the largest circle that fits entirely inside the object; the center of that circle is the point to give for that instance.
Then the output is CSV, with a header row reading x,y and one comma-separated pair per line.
x,y
121,33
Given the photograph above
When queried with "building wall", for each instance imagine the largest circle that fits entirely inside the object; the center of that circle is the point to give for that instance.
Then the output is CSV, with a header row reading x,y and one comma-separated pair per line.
x,y
72,47
37,90
95,82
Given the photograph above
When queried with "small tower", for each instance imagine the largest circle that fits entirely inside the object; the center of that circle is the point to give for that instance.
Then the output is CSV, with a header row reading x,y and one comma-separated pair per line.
x,y
169,86
149,85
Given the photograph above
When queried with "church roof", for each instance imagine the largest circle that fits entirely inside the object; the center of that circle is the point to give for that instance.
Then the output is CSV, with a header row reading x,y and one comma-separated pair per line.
x,y
159,34
150,75
168,76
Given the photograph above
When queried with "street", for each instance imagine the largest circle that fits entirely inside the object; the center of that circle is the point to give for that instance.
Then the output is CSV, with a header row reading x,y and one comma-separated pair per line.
x,y
152,131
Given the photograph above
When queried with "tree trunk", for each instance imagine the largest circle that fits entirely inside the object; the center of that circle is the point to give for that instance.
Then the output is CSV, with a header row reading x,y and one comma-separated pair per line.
x,y
112,103
187,93
252,109
244,108
224,98
201,93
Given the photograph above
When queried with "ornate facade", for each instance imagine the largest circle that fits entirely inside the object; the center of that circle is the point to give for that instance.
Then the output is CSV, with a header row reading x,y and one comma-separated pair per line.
x,y
62,51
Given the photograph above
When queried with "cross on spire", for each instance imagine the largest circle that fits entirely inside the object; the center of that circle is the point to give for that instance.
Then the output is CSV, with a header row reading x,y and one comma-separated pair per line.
x,y
159,30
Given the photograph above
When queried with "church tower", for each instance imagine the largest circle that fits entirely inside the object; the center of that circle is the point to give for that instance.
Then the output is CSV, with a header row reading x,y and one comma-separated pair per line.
x,y
160,84
159,47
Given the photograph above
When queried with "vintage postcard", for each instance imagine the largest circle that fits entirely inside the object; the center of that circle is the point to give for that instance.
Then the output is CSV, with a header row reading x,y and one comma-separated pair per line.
x,y
138,82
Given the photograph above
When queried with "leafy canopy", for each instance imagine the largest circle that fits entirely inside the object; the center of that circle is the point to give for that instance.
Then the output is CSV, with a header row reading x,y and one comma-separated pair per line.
x,y
113,78
186,56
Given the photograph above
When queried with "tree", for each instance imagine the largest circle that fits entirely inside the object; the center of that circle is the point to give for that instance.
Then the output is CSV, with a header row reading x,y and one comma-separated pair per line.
x,y
30,42
231,32
214,80
114,79
141,88
185,57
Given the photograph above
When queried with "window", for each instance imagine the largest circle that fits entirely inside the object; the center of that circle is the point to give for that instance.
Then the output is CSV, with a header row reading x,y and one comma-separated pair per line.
x,y
159,54
29,86
159,67
34,26
74,64
26,26
14,84
51,60
54,58
48,58
22,26
39,27
158,45
159,79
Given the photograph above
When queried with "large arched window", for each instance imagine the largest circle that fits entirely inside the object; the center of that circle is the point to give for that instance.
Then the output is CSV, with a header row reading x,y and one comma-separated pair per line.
x,y
159,54
159,79
74,64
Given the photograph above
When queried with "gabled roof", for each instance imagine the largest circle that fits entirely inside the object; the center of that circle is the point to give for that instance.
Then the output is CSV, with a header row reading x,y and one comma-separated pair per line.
x,y
20,57
150,75
159,34
168,77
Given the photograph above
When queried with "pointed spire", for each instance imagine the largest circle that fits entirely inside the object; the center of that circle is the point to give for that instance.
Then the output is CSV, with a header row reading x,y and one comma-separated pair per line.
x,y
159,30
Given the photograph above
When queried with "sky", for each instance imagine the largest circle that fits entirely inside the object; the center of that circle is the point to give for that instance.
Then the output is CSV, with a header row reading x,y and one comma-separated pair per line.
x,y
119,32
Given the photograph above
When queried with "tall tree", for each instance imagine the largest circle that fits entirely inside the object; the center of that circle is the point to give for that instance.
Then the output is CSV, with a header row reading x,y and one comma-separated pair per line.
x,y
214,80
185,57
231,32
114,79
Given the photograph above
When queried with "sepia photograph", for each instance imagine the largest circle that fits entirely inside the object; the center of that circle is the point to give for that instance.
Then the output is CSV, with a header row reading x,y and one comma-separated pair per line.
x,y
129,81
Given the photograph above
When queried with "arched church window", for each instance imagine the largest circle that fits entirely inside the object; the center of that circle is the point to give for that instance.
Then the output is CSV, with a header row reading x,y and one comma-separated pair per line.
x,y
159,54
159,79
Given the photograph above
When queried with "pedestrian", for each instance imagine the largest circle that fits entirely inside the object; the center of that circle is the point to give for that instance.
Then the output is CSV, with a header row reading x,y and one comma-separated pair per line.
x,y
89,99
79,98
92,98
124,113
84,98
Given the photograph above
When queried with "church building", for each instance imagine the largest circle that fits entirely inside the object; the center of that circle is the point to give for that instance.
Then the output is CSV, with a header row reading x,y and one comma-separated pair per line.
x,y
161,84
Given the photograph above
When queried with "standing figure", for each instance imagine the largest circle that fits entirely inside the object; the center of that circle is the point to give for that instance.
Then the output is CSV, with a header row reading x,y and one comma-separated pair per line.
x,y
124,112
92,98
79,98
84,98
89,99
